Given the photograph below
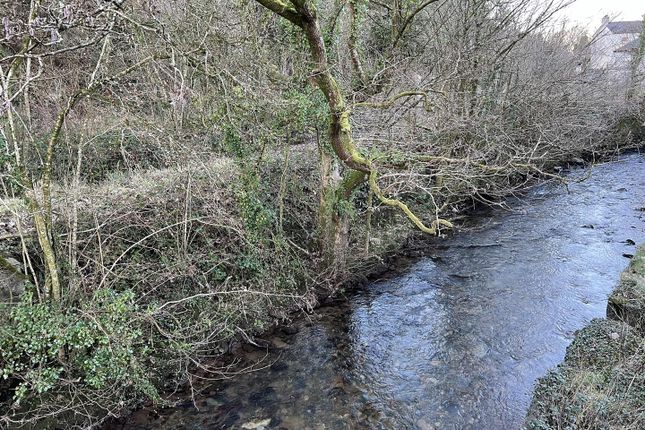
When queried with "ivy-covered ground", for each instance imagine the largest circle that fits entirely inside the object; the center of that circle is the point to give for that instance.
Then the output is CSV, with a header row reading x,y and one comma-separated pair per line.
x,y
172,266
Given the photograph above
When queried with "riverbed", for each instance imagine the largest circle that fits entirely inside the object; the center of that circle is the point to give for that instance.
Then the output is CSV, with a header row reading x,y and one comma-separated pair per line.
x,y
458,338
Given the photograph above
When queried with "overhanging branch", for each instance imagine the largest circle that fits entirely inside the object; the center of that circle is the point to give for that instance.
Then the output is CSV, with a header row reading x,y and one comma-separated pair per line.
x,y
283,9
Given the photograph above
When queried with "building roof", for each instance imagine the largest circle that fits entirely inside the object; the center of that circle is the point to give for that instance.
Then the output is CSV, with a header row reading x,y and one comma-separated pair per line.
x,y
625,27
632,46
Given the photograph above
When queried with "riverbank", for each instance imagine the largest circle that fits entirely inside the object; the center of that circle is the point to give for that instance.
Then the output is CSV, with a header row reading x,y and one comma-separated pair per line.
x,y
469,368
601,383
174,269
218,276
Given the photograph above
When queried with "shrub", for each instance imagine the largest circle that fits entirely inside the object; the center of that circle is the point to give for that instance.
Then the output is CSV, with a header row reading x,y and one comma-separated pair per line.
x,y
95,353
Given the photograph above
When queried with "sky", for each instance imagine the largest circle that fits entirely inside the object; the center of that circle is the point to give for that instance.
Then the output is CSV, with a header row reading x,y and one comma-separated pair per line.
x,y
589,13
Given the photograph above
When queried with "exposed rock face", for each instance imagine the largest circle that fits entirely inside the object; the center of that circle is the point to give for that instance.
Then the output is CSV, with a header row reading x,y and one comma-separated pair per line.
x,y
12,215
11,282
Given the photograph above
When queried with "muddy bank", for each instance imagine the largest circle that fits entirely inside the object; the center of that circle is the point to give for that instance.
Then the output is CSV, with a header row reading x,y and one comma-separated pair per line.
x,y
601,383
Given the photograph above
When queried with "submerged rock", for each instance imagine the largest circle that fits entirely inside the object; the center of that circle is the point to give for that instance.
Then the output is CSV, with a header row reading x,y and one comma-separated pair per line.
x,y
256,425
279,366
290,330
264,397
209,401
278,343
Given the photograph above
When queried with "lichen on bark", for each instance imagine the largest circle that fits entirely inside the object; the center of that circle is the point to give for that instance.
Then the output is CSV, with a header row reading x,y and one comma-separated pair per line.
x,y
359,167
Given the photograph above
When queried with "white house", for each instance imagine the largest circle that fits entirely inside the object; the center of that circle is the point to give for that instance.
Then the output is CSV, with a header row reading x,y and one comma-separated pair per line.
x,y
615,44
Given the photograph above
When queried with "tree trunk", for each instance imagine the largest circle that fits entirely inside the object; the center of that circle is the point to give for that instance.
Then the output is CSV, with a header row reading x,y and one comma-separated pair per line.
x,y
333,223
334,191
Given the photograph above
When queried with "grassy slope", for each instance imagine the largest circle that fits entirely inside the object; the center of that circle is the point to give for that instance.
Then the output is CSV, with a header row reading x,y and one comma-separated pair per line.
x,y
601,383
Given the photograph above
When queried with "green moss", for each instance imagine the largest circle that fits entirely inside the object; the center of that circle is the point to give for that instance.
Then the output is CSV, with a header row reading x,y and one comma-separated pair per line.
x,y
627,302
601,344
6,265
600,385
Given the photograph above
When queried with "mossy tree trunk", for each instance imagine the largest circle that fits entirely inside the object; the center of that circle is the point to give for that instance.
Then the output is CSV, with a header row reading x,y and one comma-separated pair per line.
x,y
337,191
333,223
38,192
636,66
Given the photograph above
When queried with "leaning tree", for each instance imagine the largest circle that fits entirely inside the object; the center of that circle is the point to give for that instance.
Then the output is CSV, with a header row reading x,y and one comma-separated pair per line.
x,y
359,168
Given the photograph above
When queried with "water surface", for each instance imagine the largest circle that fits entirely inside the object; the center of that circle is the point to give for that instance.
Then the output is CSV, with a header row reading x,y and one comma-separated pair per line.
x,y
458,339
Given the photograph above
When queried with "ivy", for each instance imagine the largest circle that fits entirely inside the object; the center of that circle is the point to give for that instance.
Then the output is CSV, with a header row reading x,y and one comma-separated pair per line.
x,y
99,343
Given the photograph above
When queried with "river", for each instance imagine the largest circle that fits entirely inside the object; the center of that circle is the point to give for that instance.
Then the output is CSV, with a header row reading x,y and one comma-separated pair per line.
x,y
457,339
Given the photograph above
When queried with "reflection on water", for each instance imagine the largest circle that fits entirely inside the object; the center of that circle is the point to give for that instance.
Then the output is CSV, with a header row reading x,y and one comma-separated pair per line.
x,y
457,340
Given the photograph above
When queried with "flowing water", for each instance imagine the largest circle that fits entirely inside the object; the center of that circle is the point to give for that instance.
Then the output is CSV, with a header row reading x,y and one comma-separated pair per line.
x,y
457,340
